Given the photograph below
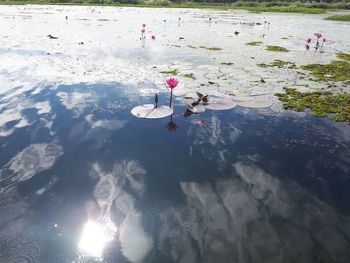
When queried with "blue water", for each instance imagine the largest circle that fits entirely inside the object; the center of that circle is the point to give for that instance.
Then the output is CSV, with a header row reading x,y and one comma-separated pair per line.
x,y
246,185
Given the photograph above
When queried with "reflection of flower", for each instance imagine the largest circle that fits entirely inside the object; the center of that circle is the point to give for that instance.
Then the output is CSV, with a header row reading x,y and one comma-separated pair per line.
x,y
171,126
172,83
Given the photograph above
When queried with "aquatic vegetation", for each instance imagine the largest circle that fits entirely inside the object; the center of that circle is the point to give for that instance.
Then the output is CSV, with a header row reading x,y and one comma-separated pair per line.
x,y
217,103
254,43
227,63
211,48
173,72
190,75
279,64
338,18
343,56
308,41
149,111
321,104
335,71
192,47
276,49
171,83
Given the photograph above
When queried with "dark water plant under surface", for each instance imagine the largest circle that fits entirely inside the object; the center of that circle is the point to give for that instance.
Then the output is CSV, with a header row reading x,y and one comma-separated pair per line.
x,y
321,104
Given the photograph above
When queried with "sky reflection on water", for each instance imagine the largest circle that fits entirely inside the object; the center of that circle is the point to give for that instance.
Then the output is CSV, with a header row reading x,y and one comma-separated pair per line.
x,y
244,186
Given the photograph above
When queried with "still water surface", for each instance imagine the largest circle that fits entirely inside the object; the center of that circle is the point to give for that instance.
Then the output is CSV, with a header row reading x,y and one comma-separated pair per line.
x,y
85,181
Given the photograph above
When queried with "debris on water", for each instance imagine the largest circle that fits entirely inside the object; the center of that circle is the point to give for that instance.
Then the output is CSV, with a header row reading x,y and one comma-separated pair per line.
x,y
51,37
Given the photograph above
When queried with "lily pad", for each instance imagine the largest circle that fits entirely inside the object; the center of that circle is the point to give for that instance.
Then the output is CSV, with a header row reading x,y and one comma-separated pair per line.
x,y
220,104
255,104
148,111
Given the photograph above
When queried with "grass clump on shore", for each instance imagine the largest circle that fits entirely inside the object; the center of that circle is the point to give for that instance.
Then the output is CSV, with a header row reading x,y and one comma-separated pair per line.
x,y
276,49
343,56
254,43
279,64
321,104
335,71
339,18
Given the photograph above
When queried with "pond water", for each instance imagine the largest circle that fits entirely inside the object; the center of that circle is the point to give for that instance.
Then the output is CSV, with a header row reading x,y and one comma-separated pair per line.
x,y
83,180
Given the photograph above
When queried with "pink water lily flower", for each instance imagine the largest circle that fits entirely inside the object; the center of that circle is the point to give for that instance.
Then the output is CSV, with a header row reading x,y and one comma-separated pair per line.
x,y
144,25
307,47
164,20
324,40
308,40
153,37
172,83
318,35
142,31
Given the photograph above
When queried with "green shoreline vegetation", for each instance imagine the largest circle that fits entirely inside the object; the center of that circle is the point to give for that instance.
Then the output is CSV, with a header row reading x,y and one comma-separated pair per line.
x,y
345,18
272,6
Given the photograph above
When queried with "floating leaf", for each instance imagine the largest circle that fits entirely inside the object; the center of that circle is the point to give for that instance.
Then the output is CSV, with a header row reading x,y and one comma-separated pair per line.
x,y
148,111
255,104
220,104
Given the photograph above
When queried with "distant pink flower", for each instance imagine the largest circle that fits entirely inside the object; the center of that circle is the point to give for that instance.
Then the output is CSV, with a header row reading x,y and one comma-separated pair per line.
x,y
209,18
153,37
265,21
179,18
318,35
172,83
144,25
308,40
143,31
307,47
324,40
164,20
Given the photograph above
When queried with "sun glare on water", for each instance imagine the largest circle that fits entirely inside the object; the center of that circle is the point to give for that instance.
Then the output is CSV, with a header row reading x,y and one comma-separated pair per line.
x,y
95,237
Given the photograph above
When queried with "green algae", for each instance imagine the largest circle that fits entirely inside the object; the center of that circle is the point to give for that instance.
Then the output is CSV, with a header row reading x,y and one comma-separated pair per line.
x,y
171,72
335,71
279,64
254,43
321,104
343,56
276,49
